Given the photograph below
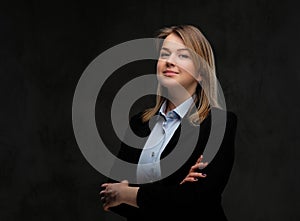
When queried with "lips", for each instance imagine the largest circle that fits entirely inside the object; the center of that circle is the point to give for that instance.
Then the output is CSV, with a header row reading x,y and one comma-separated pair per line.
x,y
170,73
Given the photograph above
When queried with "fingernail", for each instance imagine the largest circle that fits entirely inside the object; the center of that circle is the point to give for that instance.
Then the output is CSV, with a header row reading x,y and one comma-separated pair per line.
x,y
203,174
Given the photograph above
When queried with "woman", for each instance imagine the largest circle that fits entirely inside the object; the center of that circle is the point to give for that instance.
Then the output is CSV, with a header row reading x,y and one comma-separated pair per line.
x,y
185,81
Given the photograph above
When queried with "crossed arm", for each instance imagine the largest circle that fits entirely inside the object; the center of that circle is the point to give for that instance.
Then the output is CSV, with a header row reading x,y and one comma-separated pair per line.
x,y
114,194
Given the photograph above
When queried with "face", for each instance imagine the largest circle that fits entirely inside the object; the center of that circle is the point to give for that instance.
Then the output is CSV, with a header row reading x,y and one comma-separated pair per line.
x,y
175,65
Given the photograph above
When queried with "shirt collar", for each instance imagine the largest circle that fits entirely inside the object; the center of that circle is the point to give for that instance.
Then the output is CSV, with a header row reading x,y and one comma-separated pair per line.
x,y
180,110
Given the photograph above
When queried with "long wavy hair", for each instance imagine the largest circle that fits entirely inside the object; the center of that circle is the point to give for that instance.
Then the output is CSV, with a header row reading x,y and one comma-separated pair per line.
x,y
206,94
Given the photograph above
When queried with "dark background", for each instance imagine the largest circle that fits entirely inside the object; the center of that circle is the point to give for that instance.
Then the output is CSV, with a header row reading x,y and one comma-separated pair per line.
x,y
45,47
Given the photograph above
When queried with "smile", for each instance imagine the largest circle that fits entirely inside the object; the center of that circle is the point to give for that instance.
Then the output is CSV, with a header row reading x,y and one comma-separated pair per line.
x,y
170,73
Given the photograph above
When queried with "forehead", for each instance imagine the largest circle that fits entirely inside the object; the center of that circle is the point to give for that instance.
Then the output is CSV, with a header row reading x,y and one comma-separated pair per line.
x,y
173,41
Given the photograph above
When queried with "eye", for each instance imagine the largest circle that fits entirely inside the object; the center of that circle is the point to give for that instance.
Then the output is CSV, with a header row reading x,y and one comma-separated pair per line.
x,y
183,56
164,55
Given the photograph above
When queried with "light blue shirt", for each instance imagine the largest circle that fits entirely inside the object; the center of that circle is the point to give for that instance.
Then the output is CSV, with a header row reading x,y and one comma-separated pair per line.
x,y
148,169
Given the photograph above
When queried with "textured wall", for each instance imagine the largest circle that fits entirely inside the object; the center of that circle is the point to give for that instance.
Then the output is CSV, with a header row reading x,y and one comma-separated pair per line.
x,y
44,48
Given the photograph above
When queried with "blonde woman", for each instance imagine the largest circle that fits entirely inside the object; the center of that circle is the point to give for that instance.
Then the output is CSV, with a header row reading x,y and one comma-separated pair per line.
x,y
187,92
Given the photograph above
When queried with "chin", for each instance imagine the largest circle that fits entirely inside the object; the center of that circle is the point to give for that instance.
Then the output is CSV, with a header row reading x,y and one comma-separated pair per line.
x,y
167,81
171,83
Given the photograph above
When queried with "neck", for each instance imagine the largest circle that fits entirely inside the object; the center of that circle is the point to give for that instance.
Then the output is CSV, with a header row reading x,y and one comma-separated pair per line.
x,y
177,95
174,100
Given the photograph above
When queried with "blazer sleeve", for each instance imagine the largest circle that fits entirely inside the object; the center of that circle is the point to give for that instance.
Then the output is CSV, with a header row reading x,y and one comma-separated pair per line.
x,y
206,190
129,154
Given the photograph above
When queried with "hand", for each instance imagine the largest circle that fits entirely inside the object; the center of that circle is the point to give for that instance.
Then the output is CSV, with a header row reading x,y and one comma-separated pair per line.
x,y
112,195
193,175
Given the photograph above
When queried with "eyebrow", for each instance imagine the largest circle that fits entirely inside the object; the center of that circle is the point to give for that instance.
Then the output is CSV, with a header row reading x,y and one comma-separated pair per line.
x,y
180,49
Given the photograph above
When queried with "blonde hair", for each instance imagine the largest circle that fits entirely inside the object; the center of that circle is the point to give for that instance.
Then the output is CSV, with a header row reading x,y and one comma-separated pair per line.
x,y
206,95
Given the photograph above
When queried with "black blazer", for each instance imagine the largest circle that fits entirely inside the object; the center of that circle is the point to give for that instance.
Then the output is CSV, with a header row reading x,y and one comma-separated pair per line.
x,y
199,200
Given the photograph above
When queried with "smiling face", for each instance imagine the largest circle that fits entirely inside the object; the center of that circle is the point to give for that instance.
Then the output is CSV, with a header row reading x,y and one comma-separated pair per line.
x,y
175,65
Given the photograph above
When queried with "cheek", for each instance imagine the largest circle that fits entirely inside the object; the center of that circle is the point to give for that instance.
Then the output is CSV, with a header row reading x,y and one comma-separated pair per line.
x,y
159,66
189,69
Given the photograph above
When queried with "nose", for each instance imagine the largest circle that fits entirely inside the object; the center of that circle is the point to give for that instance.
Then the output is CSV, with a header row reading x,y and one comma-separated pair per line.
x,y
170,61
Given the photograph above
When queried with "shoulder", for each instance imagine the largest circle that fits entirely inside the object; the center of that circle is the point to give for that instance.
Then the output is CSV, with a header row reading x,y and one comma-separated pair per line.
x,y
219,117
228,114
231,119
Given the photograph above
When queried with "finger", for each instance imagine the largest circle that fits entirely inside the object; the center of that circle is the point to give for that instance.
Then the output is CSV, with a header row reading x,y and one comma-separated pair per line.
x,y
199,159
108,201
106,192
193,177
105,207
188,179
104,184
199,166
195,174
124,181
102,192
195,167
202,165
110,196
103,200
